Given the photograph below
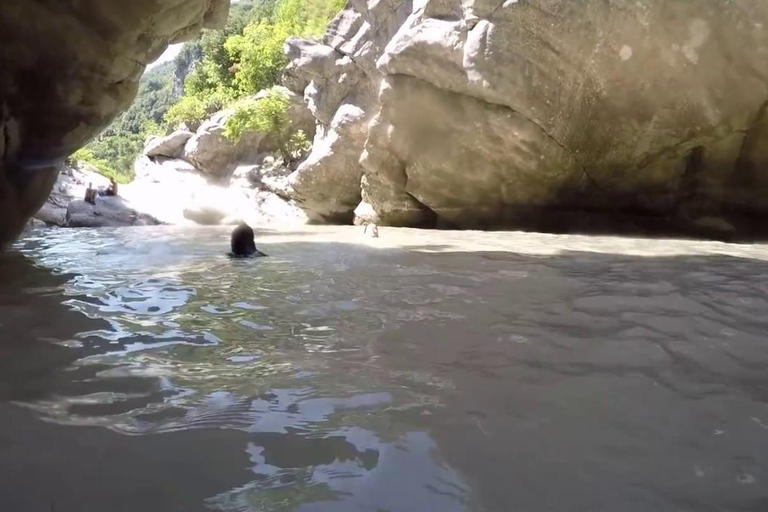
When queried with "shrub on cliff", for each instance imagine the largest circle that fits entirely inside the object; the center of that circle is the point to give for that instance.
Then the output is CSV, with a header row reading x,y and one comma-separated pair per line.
x,y
268,114
249,60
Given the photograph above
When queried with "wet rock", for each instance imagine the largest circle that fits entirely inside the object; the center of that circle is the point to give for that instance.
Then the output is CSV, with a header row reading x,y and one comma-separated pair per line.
x,y
52,215
35,223
107,212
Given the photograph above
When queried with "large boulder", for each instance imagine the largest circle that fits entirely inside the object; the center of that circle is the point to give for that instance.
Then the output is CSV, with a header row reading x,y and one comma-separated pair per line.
x,y
216,155
68,68
107,212
327,182
499,114
170,146
538,113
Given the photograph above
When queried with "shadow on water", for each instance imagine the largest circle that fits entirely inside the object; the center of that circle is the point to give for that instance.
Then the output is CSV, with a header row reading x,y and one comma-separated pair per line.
x,y
335,376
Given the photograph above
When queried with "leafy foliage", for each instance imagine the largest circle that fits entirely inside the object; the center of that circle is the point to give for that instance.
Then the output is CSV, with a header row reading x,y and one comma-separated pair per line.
x,y
298,144
219,69
86,156
248,55
193,109
113,152
268,114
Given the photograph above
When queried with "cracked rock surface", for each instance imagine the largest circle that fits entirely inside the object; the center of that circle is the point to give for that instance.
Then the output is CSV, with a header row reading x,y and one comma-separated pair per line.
x,y
523,113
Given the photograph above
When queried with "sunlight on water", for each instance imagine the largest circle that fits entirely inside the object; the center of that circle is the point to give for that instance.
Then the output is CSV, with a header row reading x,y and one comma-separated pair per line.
x,y
417,371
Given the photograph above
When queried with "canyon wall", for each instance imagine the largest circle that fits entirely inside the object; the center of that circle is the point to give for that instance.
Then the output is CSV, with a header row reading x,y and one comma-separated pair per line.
x,y
67,68
549,114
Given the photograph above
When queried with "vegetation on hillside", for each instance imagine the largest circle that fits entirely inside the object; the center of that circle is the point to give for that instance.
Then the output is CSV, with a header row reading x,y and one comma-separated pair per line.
x,y
221,68
268,114
240,62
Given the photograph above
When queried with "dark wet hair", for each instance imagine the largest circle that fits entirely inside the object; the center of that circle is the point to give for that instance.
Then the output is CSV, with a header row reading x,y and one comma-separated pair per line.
x,y
242,242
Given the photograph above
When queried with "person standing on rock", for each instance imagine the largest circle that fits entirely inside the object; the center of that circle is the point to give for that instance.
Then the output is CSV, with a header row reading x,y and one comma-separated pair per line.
x,y
90,194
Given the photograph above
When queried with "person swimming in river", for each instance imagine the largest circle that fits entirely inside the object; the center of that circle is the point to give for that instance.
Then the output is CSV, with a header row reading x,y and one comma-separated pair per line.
x,y
374,230
242,243
90,194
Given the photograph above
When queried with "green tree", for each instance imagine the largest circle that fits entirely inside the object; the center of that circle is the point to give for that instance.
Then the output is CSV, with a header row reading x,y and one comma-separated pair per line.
x,y
217,70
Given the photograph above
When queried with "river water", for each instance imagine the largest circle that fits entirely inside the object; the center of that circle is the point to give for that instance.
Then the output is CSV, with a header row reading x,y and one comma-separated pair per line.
x,y
142,370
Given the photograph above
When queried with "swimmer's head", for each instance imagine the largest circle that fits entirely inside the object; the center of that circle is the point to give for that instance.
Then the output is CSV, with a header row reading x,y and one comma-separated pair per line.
x,y
242,241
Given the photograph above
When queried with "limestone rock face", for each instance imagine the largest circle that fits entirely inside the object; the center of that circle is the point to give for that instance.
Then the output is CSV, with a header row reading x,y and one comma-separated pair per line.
x,y
510,114
169,146
646,107
68,68
340,83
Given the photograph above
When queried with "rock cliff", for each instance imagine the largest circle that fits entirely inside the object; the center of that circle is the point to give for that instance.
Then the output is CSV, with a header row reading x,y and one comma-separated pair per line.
x,y
68,67
545,114
524,112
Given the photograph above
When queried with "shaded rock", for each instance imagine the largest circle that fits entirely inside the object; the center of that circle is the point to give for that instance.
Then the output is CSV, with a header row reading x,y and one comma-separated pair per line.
x,y
35,223
107,212
52,215
589,106
485,114
468,168
169,146
68,68
326,184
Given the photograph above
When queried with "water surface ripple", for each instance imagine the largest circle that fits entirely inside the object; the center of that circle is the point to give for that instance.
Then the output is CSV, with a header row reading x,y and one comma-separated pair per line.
x,y
141,369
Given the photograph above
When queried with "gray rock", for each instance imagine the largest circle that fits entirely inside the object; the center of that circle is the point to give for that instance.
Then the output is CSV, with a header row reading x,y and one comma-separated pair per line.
x,y
107,212
211,152
35,223
52,215
341,84
602,106
169,146
327,183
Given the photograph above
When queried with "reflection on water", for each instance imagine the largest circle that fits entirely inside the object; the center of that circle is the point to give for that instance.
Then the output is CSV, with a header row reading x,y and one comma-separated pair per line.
x,y
340,376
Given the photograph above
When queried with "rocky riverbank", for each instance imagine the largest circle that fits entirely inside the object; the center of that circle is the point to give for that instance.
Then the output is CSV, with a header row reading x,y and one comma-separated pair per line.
x,y
187,177
617,117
